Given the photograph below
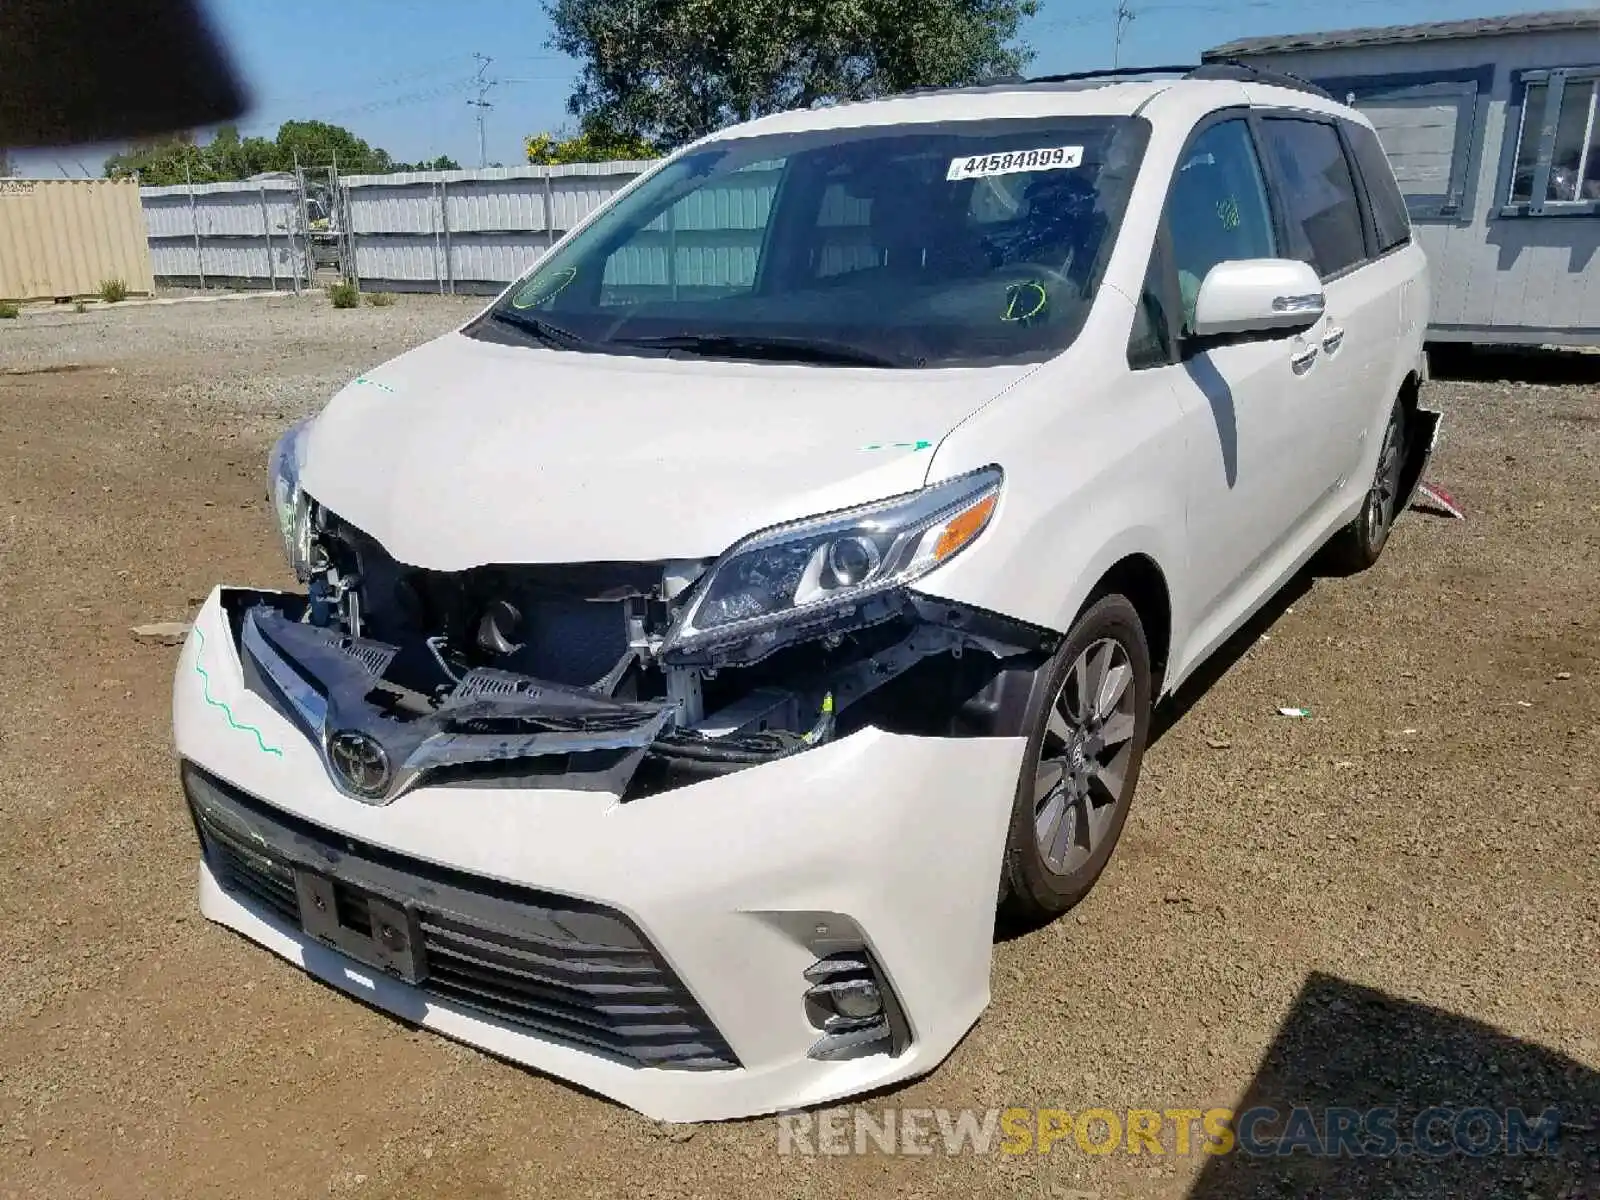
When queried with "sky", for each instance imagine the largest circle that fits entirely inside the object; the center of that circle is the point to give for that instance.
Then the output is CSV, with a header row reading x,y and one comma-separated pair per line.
x,y
399,72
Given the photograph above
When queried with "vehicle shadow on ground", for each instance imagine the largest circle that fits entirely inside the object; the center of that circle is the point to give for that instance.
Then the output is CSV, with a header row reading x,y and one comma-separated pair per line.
x,y
1351,1047
1172,710
1518,364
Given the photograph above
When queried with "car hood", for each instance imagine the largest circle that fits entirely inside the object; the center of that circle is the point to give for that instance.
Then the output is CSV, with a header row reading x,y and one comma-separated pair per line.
x,y
464,452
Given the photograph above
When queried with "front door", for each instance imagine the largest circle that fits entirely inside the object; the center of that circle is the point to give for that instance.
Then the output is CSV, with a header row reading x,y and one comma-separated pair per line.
x,y
1254,406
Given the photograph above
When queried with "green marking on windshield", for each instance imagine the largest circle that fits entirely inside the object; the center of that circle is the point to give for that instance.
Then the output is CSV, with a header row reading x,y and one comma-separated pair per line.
x,y
920,444
541,291
205,690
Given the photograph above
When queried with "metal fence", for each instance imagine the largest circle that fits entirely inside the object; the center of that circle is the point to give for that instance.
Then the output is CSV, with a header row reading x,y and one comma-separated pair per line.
x,y
445,231
466,231
248,234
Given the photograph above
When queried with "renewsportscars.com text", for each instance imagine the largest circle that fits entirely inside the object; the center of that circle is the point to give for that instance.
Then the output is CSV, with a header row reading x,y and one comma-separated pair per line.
x,y
1262,1132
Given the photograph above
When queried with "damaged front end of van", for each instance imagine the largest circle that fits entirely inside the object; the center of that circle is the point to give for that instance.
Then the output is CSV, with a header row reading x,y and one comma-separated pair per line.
x,y
710,836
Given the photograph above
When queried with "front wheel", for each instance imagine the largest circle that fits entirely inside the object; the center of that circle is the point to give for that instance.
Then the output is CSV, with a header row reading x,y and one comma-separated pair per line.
x,y
1087,736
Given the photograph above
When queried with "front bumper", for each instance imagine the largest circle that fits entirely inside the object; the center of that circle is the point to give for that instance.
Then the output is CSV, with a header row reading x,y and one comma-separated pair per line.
x,y
892,840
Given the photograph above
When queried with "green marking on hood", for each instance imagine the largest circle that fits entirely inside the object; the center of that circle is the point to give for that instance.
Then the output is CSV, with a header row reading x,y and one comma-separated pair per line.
x,y
382,387
205,690
919,444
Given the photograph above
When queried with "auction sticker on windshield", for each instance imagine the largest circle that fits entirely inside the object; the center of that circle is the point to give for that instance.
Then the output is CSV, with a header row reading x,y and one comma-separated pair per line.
x,y
1050,158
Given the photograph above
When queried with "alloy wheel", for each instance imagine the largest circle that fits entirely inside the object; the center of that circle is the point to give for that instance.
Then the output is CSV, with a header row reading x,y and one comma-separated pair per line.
x,y
1385,493
1083,760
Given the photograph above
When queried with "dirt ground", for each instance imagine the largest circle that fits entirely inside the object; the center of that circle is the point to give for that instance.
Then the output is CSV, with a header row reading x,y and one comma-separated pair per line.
x,y
1392,901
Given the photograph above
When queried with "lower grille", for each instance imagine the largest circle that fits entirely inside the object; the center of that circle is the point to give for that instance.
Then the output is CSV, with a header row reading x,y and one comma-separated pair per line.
x,y
565,969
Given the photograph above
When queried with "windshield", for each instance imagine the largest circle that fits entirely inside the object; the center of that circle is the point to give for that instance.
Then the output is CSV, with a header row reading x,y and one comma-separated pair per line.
x,y
906,246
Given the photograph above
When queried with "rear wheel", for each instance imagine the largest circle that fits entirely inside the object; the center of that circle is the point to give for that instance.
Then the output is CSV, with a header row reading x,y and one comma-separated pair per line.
x,y
1086,742
1358,545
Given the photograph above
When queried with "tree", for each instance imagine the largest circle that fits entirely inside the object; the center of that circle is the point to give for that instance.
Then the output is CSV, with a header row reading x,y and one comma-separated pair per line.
x,y
443,163
316,143
592,145
178,159
669,71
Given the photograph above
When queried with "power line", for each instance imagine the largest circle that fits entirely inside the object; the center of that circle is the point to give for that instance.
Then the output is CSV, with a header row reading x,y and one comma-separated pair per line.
x,y
443,91
363,85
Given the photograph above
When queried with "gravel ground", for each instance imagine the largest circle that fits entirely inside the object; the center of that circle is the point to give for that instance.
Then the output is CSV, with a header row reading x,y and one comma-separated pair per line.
x,y
1390,902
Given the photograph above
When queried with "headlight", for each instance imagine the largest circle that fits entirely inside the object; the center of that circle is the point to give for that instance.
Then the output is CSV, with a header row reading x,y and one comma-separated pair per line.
x,y
289,504
817,566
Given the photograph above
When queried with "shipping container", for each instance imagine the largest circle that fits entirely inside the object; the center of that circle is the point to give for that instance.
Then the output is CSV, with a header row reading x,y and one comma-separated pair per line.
x,y
61,238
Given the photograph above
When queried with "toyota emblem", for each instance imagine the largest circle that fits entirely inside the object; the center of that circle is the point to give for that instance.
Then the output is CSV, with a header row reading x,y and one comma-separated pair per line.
x,y
359,763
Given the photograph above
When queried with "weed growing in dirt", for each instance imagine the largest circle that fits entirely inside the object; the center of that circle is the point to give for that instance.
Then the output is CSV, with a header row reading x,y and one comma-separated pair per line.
x,y
380,299
80,307
113,291
344,294
9,310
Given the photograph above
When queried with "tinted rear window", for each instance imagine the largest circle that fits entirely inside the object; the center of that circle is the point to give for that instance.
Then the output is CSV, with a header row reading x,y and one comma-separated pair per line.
x,y
1318,194
1388,205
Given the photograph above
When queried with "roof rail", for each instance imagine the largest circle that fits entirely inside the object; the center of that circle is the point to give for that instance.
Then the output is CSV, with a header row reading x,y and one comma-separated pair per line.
x,y
1113,73
1243,72
1240,72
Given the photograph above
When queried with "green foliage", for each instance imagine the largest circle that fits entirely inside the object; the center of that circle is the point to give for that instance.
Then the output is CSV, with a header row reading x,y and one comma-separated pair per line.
x,y
10,310
443,163
380,299
321,144
668,71
344,294
313,144
594,144
113,291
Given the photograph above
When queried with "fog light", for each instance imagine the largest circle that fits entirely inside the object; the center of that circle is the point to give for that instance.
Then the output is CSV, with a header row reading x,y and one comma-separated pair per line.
x,y
858,1000
852,1004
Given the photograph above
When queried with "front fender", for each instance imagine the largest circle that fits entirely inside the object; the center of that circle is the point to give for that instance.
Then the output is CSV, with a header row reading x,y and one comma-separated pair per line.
x,y
1093,457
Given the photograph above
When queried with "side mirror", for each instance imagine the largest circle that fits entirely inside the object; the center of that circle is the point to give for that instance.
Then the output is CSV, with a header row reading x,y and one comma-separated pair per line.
x,y
1255,295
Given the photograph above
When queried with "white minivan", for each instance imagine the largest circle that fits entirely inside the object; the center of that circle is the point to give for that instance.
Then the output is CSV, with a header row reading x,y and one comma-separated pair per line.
x,y
700,643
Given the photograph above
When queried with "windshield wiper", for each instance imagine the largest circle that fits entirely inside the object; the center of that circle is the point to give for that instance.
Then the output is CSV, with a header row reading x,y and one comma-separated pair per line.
x,y
786,349
544,331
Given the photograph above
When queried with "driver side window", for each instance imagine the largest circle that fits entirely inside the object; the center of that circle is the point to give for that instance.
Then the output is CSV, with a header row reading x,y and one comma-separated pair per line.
x,y
1217,209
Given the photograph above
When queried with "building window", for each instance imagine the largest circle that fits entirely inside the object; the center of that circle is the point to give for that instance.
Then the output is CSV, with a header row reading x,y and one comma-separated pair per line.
x,y
1557,160
1427,123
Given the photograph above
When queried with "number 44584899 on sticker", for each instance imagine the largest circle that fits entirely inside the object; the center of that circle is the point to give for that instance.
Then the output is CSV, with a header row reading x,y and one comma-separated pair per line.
x,y
1049,158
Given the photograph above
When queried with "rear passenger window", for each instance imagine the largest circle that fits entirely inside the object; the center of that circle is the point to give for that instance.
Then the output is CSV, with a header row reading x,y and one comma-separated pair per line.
x,y
1319,196
1388,205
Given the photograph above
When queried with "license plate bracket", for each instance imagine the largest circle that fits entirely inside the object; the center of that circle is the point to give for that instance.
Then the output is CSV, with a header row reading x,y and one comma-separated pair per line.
x,y
360,924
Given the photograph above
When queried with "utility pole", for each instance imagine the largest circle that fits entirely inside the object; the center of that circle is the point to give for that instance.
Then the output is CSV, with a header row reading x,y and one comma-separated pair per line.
x,y
1125,15
482,104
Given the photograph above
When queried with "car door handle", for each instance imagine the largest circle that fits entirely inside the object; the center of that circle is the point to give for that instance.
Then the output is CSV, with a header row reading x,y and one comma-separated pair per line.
x,y
1305,360
1332,340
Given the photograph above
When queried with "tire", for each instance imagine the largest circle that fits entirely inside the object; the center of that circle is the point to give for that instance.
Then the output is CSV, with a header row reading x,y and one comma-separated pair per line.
x,y
1049,866
1358,545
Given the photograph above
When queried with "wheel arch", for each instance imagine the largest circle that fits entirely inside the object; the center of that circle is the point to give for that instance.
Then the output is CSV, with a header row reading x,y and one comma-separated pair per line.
x,y
1139,578
1410,391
